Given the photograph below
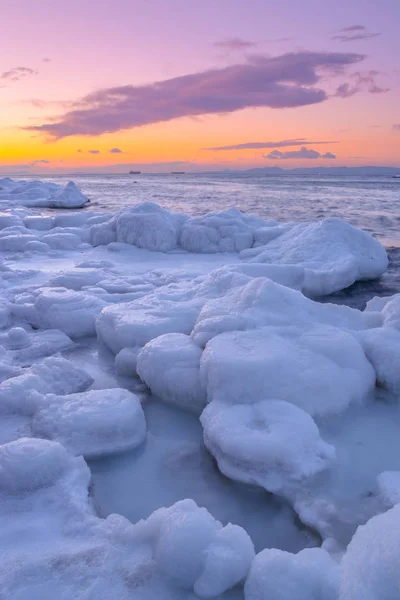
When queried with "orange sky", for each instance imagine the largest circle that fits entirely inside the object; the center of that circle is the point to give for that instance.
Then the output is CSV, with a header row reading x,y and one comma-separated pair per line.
x,y
61,72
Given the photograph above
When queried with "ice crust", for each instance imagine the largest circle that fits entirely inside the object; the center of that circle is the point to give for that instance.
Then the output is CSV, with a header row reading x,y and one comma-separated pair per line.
x,y
213,317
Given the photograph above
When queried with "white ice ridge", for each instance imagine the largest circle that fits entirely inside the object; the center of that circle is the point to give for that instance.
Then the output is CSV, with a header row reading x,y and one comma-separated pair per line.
x,y
34,193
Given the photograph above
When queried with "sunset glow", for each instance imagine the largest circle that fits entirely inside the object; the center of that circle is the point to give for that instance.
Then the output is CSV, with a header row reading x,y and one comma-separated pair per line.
x,y
77,86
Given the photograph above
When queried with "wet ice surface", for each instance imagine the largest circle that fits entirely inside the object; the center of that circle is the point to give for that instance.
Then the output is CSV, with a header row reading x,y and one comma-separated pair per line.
x,y
111,350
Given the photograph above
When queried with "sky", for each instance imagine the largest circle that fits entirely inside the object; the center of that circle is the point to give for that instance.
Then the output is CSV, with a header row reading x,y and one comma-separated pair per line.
x,y
218,84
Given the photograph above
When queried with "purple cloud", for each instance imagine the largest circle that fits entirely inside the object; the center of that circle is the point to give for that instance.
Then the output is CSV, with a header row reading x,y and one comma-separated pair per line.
x,y
347,34
35,163
304,152
235,43
16,74
115,151
93,151
284,81
362,82
396,127
279,144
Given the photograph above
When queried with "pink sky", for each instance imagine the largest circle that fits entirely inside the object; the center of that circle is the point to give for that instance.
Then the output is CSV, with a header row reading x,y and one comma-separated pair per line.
x,y
77,84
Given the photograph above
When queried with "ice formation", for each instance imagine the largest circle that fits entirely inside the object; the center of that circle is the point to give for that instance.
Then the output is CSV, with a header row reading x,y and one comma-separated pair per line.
x,y
187,357
40,194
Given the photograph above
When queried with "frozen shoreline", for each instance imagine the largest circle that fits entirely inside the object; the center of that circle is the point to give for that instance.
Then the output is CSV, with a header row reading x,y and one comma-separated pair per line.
x,y
214,316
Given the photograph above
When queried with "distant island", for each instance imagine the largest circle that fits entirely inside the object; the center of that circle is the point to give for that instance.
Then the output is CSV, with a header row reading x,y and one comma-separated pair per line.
x,y
177,172
134,172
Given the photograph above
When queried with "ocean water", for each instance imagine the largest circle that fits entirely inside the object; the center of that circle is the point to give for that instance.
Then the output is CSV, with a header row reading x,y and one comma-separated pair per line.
x,y
372,203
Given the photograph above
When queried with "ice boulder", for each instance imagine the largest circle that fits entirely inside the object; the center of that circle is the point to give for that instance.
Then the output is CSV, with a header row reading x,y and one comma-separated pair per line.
x,y
226,231
271,443
23,394
333,253
261,302
382,348
170,367
27,347
277,575
94,423
72,312
196,552
389,307
148,226
389,487
369,569
320,368
61,241
68,197
29,464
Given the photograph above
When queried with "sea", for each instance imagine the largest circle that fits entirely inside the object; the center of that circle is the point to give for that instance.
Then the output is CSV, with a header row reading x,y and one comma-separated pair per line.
x,y
371,203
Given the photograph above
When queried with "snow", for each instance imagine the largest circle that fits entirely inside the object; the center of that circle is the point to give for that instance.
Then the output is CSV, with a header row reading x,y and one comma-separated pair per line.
x,y
222,410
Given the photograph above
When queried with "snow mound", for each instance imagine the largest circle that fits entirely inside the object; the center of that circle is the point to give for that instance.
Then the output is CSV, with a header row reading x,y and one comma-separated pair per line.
x,y
382,348
226,231
272,443
22,394
25,348
33,193
369,569
389,487
309,575
320,368
389,306
170,366
197,552
94,423
261,302
29,464
333,253
72,312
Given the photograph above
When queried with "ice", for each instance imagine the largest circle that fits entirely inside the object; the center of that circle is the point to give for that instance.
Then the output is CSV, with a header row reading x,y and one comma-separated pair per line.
x,y
196,316
333,253
72,312
61,241
227,231
40,194
261,302
25,348
170,366
389,487
369,569
28,464
94,423
55,547
309,575
382,348
321,369
22,394
270,443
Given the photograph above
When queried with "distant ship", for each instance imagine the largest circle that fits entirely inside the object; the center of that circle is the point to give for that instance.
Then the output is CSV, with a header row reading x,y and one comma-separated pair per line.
x,y
134,172
396,176
177,172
